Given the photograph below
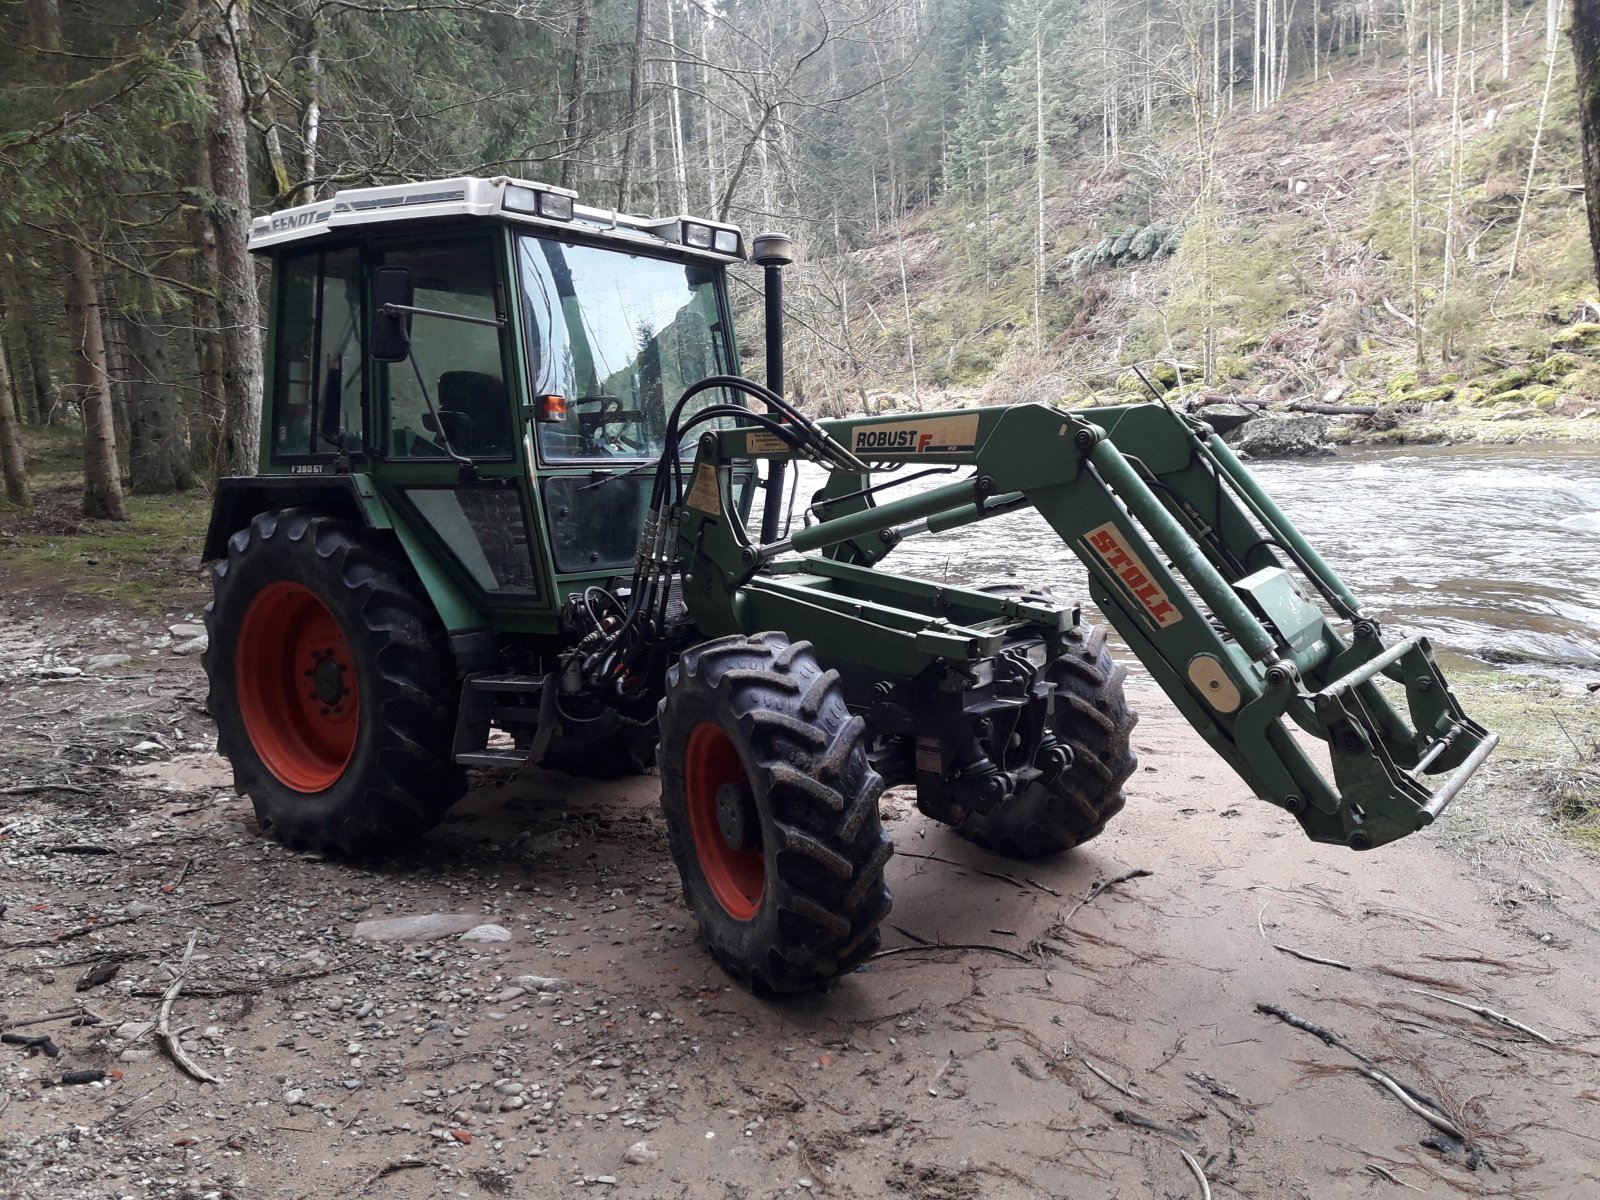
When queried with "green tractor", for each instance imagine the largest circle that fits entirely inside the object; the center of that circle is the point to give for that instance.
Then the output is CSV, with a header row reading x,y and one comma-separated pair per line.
x,y
505,516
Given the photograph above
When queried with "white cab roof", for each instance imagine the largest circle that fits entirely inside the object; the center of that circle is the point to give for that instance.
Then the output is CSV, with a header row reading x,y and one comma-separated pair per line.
x,y
473,196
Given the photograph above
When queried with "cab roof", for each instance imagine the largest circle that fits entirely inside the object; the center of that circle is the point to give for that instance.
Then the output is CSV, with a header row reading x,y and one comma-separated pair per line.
x,y
502,197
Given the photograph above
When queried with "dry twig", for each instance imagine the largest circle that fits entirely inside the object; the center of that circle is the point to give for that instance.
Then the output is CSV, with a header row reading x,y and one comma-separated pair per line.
x,y
164,1031
1488,1014
1102,885
1022,958
1200,1176
1385,1173
1126,1091
1000,875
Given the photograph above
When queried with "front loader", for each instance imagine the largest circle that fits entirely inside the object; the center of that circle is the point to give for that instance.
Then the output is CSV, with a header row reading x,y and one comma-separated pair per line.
x,y
505,518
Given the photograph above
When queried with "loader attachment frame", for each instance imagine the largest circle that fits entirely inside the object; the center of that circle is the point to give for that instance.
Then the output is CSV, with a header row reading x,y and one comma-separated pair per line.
x,y
1229,608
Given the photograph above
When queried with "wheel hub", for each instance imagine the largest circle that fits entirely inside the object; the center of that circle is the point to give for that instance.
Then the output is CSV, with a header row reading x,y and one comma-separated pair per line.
x,y
736,814
327,678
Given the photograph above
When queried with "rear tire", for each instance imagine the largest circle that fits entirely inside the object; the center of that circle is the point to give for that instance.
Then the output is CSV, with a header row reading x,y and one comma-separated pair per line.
x,y
1093,720
772,812
327,667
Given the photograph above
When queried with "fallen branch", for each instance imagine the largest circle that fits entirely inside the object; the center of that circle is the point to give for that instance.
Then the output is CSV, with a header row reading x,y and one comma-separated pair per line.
x,y
399,1164
1102,885
1329,1038
1022,958
1488,1014
1000,875
1126,1091
28,789
1385,1173
64,1014
1397,314
1200,1176
1312,958
1437,1120
164,1031
1300,954
1334,410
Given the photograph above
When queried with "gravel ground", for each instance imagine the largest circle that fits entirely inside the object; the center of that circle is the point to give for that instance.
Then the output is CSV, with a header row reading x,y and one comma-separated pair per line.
x,y
563,1029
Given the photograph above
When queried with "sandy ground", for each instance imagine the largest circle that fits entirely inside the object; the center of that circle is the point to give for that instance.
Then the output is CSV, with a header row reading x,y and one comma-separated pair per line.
x,y
1089,1043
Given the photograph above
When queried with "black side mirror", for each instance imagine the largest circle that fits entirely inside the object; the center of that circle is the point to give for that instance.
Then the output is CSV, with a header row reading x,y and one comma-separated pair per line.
x,y
392,293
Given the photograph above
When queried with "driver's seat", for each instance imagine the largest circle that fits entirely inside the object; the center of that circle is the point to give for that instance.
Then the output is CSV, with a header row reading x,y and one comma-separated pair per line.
x,y
483,429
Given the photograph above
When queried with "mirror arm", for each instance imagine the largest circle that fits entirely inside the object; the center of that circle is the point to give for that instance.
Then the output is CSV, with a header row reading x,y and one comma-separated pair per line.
x,y
394,310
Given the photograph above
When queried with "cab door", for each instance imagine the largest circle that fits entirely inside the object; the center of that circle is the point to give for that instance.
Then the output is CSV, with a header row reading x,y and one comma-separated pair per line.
x,y
455,399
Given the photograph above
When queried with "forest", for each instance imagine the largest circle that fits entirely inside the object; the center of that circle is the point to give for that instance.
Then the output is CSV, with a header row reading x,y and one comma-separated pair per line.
x,y
1018,197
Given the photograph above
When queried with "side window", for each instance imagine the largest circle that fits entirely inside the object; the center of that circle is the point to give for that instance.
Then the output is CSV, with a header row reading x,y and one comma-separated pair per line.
x,y
296,351
460,363
317,381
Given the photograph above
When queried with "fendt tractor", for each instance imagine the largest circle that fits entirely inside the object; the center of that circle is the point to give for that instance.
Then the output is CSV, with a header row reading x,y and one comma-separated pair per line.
x,y
506,515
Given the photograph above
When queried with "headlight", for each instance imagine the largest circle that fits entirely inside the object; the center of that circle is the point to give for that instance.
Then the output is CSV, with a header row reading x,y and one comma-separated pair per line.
x,y
555,206
697,235
726,242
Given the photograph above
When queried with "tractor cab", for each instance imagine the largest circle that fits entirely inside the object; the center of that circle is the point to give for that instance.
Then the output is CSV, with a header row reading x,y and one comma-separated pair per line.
x,y
495,359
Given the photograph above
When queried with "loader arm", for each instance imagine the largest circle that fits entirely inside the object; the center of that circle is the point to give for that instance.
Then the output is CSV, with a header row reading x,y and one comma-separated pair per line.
x,y
1231,611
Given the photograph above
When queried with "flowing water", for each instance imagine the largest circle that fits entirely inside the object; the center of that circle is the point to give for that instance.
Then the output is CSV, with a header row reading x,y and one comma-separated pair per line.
x,y
1492,551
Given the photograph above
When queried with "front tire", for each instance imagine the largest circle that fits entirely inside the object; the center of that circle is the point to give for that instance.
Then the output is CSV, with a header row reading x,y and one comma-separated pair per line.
x,y
326,668
1093,720
772,812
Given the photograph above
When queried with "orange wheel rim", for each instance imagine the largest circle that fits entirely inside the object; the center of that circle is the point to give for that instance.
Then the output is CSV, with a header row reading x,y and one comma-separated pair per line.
x,y
296,683
737,877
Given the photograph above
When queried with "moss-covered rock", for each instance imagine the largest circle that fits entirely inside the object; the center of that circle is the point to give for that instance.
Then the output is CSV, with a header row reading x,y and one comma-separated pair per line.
x,y
1400,383
1472,397
1558,366
1429,395
1585,335
1510,380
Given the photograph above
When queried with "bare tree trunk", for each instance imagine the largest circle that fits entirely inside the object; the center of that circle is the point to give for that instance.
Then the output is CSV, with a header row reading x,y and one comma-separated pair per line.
x,y
238,313
308,55
1504,39
641,21
1586,54
102,485
1411,157
577,117
36,360
1538,137
158,459
675,111
1038,180
11,464
1455,148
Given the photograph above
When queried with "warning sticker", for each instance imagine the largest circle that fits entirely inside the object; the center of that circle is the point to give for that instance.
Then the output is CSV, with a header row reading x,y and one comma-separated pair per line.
x,y
762,442
705,493
933,435
1107,541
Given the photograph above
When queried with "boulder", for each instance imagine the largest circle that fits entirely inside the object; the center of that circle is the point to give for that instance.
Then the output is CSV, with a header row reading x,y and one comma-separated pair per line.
x,y
1284,435
1585,335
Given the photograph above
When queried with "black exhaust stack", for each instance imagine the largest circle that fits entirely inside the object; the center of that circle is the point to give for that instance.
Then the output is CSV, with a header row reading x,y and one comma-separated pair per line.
x,y
773,251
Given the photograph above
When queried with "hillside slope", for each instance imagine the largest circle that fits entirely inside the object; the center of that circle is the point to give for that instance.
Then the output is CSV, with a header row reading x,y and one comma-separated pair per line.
x,y
1300,256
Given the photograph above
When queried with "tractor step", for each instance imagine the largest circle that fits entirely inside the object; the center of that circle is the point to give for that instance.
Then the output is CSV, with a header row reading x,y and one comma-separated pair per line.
x,y
490,702
491,758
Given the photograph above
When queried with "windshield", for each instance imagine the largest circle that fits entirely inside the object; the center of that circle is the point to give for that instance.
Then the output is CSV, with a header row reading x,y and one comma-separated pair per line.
x,y
620,336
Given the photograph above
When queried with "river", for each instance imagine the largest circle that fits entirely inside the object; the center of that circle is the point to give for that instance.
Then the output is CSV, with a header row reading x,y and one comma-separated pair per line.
x,y
1493,551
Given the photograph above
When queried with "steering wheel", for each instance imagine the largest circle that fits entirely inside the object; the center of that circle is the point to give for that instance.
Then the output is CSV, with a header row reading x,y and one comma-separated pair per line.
x,y
611,412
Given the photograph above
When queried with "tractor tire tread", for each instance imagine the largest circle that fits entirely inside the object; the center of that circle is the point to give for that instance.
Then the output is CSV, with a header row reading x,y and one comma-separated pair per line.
x,y
824,894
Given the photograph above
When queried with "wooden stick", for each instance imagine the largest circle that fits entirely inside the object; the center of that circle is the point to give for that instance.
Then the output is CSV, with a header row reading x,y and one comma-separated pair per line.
x,y
1422,1110
1488,1014
1312,958
1385,1173
164,1031
1103,885
1001,875
1126,1091
1200,1176
1022,958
